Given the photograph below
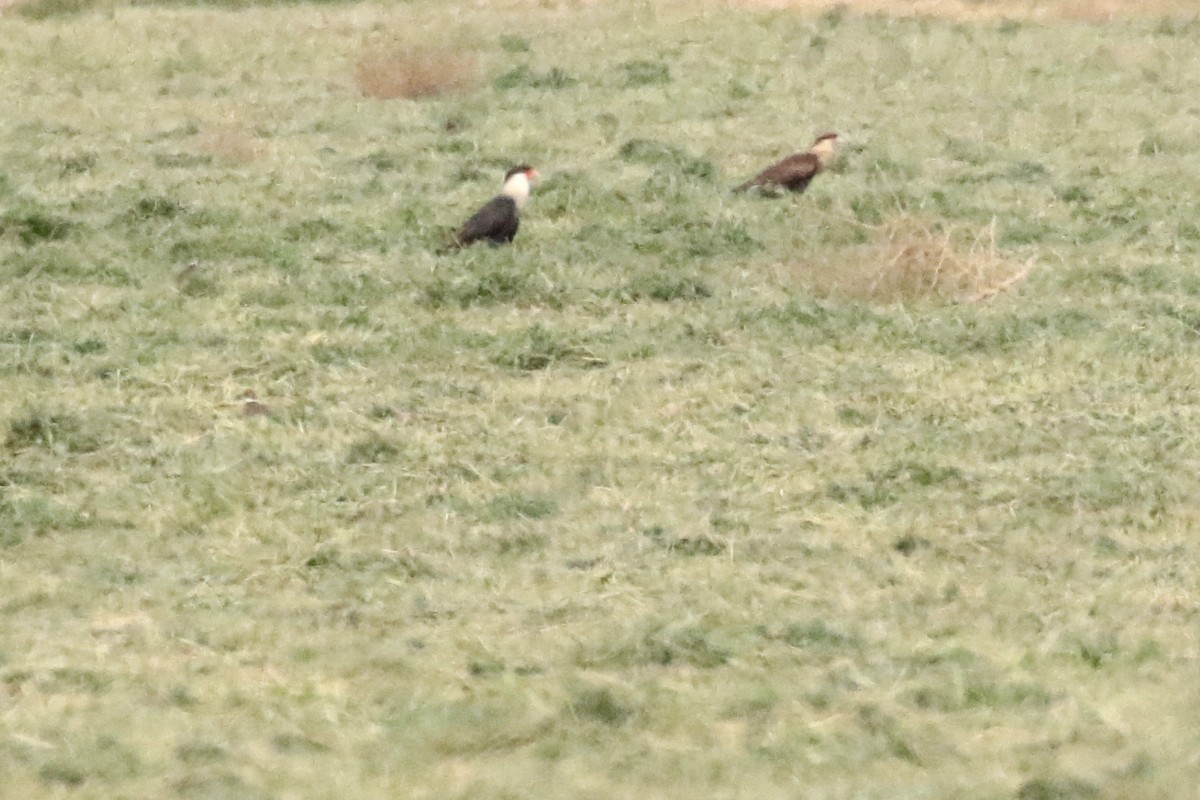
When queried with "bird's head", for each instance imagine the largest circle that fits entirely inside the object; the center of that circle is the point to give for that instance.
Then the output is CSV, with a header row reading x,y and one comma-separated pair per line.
x,y
825,146
517,182
529,172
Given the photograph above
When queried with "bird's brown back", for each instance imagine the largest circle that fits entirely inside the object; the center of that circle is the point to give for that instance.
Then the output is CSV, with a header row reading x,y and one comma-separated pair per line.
x,y
794,172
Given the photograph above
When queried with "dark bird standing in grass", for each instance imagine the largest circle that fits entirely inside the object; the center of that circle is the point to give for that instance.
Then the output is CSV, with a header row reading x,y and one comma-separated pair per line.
x,y
498,220
252,406
795,172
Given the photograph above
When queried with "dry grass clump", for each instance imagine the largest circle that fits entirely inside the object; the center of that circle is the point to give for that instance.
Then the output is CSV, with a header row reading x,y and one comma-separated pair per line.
x,y
911,259
231,143
414,72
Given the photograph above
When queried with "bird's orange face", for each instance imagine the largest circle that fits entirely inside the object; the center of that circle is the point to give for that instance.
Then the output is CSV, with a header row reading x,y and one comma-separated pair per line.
x,y
532,175
825,147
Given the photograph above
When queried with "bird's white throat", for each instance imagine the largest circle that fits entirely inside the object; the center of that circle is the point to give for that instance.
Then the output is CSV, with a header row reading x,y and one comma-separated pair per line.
x,y
517,187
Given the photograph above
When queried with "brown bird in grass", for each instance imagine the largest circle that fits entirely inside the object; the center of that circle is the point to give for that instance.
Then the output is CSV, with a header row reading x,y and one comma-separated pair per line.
x,y
795,172
252,406
497,221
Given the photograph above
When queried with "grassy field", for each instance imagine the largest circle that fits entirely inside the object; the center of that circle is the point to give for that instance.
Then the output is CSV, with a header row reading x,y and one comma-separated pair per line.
x,y
885,491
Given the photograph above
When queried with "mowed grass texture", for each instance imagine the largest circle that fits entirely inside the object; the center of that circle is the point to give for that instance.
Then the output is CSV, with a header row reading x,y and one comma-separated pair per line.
x,y
649,504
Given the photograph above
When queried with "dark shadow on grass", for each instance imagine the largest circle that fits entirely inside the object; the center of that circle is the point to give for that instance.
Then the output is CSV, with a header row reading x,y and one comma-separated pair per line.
x,y
537,348
667,156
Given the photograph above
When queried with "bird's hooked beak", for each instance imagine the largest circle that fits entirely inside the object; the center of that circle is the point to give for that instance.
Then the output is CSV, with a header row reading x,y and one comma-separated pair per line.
x,y
533,175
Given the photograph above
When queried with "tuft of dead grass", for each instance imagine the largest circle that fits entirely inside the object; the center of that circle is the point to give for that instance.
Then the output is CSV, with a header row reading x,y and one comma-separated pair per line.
x,y
912,259
231,143
414,72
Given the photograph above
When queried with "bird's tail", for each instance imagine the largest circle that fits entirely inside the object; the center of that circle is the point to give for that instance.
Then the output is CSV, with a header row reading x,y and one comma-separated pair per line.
x,y
750,184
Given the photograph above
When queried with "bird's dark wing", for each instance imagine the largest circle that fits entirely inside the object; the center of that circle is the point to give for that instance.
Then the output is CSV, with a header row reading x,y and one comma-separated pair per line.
x,y
793,173
497,222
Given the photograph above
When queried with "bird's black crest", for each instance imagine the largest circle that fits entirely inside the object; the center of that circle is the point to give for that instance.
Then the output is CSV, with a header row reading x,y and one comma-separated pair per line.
x,y
516,169
828,135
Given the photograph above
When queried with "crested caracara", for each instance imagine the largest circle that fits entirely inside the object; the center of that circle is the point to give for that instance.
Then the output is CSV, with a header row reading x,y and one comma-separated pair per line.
x,y
795,172
497,221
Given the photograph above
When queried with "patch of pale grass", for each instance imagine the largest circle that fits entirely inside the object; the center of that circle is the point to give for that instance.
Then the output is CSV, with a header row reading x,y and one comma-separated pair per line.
x,y
414,72
977,10
1107,10
912,259
231,144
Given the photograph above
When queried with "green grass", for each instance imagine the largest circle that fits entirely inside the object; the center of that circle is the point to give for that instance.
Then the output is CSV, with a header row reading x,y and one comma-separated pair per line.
x,y
631,508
